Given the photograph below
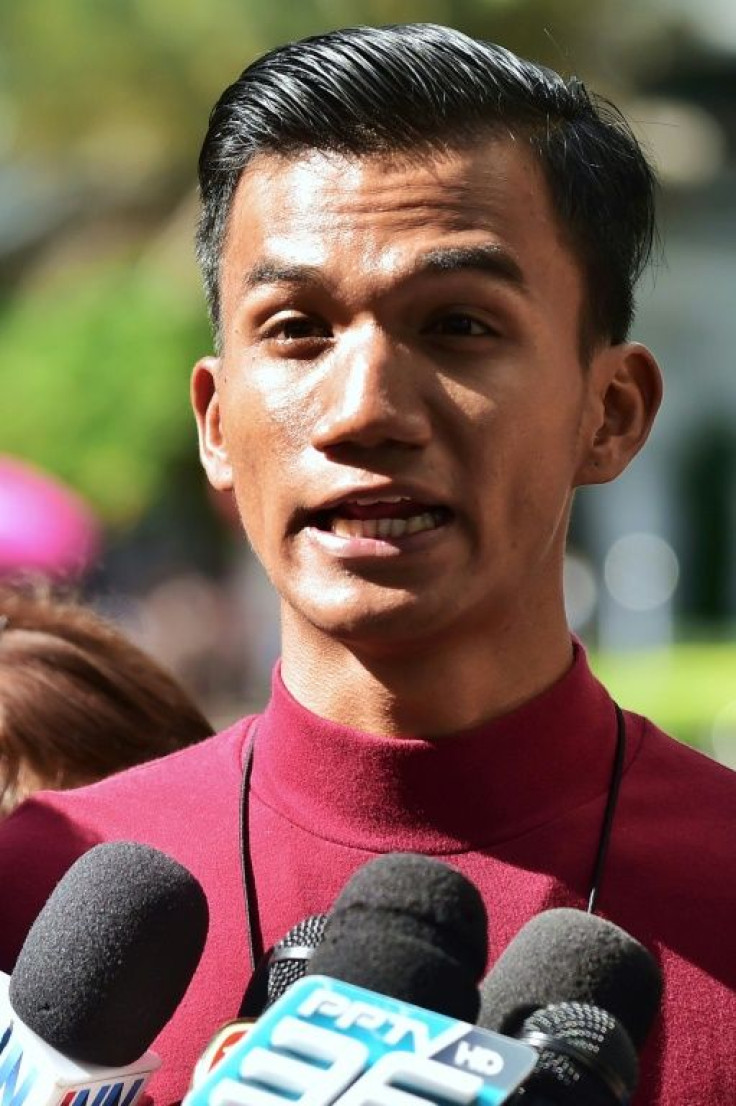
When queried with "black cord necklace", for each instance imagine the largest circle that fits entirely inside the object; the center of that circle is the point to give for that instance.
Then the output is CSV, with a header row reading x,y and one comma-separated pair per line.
x,y
252,924
614,788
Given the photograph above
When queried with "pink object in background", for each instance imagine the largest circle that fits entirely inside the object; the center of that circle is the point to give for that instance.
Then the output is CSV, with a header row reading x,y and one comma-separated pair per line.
x,y
44,526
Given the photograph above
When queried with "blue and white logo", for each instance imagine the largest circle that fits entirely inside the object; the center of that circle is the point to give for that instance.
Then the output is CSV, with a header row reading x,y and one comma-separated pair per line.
x,y
326,1042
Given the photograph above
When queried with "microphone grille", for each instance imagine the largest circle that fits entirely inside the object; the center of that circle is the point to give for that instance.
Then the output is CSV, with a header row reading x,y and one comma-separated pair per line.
x,y
582,1048
290,957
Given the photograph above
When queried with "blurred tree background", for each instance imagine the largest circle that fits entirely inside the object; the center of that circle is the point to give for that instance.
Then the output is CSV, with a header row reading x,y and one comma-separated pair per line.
x,y
103,105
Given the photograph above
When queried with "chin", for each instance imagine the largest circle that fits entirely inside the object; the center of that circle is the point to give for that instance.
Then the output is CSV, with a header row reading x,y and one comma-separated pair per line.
x,y
395,620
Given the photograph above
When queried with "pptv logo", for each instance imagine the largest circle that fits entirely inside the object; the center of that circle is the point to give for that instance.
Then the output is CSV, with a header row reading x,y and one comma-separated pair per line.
x,y
328,1042
23,1083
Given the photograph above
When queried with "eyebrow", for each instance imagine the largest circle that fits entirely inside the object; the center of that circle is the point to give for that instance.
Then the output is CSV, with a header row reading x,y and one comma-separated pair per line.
x,y
490,259
275,272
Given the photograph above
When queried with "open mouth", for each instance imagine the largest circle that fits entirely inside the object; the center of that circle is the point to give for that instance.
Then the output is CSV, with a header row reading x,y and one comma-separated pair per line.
x,y
390,517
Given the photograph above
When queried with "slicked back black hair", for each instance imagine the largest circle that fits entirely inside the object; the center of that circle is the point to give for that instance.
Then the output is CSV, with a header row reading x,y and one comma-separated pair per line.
x,y
370,90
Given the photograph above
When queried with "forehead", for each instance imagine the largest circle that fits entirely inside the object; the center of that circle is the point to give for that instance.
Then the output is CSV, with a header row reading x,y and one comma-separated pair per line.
x,y
330,212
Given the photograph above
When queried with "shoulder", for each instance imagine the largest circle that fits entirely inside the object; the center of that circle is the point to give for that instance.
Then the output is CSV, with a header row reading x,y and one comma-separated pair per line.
x,y
195,778
682,780
215,758
680,799
673,865
186,804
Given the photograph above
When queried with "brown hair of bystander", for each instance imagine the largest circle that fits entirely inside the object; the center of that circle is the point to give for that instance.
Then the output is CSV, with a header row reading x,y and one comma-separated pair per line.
x,y
78,701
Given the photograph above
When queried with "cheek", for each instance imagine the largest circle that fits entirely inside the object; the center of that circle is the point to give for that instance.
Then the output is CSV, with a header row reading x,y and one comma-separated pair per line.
x,y
524,458
543,487
271,408
265,429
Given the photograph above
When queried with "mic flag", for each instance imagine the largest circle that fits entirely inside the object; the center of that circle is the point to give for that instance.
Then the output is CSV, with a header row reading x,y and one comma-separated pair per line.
x,y
32,1073
327,1042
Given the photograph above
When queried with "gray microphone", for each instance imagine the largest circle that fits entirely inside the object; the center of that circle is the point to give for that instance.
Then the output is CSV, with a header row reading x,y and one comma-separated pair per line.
x,y
584,994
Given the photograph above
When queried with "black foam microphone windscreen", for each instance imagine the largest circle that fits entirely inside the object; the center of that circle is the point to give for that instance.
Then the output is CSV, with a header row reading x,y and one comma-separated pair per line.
x,y
290,957
111,954
410,928
566,955
585,1056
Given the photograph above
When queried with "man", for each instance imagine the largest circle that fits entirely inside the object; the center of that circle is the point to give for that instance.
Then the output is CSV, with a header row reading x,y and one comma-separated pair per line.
x,y
419,251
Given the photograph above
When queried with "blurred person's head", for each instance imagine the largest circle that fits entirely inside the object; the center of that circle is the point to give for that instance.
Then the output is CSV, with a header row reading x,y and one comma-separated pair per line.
x,y
78,701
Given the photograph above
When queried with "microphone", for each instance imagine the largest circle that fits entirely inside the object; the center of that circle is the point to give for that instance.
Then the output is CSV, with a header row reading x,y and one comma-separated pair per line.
x,y
290,958
405,930
583,993
567,955
102,970
286,963
410,928
585,1057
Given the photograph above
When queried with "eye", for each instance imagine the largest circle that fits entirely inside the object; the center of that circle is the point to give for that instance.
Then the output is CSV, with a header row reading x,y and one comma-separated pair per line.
x,y
297,328
460,324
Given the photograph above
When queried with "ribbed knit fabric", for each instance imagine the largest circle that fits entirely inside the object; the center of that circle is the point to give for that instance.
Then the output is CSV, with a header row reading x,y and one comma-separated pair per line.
x,y
516,804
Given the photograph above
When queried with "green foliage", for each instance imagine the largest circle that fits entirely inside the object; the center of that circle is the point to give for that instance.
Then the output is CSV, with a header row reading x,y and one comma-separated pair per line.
x,y
95,383
684,689
108,68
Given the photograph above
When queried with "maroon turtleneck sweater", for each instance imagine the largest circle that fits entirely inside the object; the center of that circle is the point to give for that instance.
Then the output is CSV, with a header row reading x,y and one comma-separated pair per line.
x,y
516,804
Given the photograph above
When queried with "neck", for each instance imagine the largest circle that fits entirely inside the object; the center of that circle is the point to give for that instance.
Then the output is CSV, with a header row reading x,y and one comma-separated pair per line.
x,y
430,688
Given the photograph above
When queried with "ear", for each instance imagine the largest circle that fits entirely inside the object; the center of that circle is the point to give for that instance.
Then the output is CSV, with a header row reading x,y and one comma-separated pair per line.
x,y
624,394
206,405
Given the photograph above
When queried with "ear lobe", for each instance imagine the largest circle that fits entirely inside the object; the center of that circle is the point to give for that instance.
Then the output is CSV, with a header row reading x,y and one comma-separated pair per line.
x,y
625,391
206,406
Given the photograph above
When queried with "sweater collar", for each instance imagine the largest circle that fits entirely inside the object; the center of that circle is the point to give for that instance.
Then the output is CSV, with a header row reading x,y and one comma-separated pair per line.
x,y
481,786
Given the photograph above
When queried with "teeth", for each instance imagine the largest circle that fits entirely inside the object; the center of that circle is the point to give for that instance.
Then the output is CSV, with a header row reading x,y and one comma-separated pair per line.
x,y
383,527
418,522
368,501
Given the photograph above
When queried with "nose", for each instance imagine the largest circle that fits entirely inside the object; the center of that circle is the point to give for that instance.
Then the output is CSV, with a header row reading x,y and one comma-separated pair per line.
x,y
372,395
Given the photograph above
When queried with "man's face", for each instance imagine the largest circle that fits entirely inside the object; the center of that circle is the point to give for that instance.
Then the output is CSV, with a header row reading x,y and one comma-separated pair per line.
x,y
399,406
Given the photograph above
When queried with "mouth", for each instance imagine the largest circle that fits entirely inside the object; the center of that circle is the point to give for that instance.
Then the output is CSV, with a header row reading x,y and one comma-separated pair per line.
x,y
388,518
